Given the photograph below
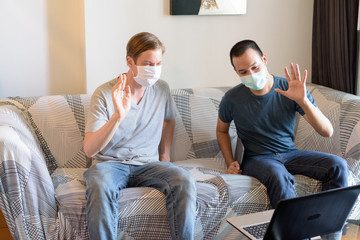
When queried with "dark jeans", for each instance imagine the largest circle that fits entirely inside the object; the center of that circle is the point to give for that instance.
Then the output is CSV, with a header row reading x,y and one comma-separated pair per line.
x,y
276,171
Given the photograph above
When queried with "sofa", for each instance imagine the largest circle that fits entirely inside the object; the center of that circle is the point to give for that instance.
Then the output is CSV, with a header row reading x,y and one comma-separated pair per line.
x,y
42,189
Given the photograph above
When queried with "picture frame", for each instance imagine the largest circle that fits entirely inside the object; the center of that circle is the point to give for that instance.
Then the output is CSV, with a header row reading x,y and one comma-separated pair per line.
x,y
208,7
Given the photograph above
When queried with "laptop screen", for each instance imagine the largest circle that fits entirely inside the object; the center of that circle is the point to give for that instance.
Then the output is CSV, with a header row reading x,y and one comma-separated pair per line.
x,y
312,215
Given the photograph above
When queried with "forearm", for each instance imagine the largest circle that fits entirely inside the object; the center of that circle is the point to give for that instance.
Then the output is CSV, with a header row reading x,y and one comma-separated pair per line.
x,y
224,142
94,142
166,140
317,119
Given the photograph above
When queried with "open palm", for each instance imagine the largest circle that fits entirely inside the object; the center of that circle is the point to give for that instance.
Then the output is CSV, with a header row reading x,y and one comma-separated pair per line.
x,y
297,88
121,96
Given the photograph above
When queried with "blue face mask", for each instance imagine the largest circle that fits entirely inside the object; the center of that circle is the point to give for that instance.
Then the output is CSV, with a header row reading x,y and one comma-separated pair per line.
x,y
255,81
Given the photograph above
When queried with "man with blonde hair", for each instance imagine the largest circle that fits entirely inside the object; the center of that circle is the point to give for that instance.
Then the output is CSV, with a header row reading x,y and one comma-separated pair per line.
x,y
129,132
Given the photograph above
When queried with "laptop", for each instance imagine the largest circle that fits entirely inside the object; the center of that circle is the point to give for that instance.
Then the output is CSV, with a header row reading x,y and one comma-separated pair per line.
x,y
301,217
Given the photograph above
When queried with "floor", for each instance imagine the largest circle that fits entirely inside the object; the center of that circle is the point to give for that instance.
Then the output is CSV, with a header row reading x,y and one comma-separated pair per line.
x,y
4,231
353,233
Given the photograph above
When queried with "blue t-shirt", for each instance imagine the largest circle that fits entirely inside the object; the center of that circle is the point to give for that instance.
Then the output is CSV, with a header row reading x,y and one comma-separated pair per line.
x,y
266,123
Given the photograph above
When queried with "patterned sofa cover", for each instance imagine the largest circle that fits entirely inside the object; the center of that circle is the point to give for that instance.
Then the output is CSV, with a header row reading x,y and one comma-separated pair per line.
x,y
42,164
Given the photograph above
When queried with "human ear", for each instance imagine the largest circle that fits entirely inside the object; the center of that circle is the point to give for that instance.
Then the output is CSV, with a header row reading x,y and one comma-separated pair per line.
x,y
265,60
130,61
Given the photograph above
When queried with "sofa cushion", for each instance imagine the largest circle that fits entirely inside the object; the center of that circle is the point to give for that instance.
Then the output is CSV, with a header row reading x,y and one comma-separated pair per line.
x,y
59,123
195,130
219,196
133,205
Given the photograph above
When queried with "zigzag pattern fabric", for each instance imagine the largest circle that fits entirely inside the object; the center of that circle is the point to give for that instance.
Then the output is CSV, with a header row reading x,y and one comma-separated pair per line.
x,y
42,189
343,111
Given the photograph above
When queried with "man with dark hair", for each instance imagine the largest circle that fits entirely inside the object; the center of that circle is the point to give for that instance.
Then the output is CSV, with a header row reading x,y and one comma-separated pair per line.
x,y
129,132
263,109
240,48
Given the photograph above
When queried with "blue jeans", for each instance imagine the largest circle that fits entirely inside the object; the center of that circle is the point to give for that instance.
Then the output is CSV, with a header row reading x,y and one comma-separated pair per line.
x,y
276,171
104,181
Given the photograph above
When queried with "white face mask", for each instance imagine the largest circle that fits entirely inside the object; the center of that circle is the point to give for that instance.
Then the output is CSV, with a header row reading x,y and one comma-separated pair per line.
x,y
147,75
255,81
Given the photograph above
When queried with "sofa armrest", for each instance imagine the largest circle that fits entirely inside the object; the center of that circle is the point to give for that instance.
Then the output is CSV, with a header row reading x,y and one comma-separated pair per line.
x,y
239,151
343,111
27,196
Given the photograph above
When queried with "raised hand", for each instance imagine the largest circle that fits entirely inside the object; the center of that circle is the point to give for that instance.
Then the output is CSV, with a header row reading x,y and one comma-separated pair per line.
x,y
297,86
121,97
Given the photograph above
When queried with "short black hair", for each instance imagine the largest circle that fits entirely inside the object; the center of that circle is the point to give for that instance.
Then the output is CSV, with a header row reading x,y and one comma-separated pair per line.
x,y
240,48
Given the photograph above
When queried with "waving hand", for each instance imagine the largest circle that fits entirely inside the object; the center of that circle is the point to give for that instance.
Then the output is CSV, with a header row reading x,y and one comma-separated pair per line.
x,y
121,97
297,86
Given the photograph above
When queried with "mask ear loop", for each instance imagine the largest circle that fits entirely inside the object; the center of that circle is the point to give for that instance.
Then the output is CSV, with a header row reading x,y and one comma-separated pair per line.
x,y
133,73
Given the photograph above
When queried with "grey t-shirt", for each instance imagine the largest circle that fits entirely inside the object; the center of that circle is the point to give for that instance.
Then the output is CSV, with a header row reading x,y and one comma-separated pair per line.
x,y
138,136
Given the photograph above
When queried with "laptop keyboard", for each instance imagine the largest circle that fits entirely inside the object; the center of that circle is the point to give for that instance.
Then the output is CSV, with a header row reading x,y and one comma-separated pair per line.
x,y
258,231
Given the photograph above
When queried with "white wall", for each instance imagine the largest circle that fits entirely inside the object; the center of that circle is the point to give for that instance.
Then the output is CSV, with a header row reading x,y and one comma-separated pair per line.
x,y
23,48
197,47
42,47
42,42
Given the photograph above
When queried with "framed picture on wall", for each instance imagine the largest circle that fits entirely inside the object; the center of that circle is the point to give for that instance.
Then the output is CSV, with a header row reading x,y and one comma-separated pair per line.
x,y
208,7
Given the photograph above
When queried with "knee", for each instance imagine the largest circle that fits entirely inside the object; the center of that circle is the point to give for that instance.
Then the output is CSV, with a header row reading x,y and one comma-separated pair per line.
x,y
340,169
186,182
280,185
97,184
344,166
280,178
95,187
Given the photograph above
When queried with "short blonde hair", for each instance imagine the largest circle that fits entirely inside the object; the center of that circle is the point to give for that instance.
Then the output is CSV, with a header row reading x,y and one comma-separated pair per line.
x,y
142,42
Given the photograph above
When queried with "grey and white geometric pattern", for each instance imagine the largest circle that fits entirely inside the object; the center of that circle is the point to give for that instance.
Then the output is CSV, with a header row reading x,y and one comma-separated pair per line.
x,y
42,189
